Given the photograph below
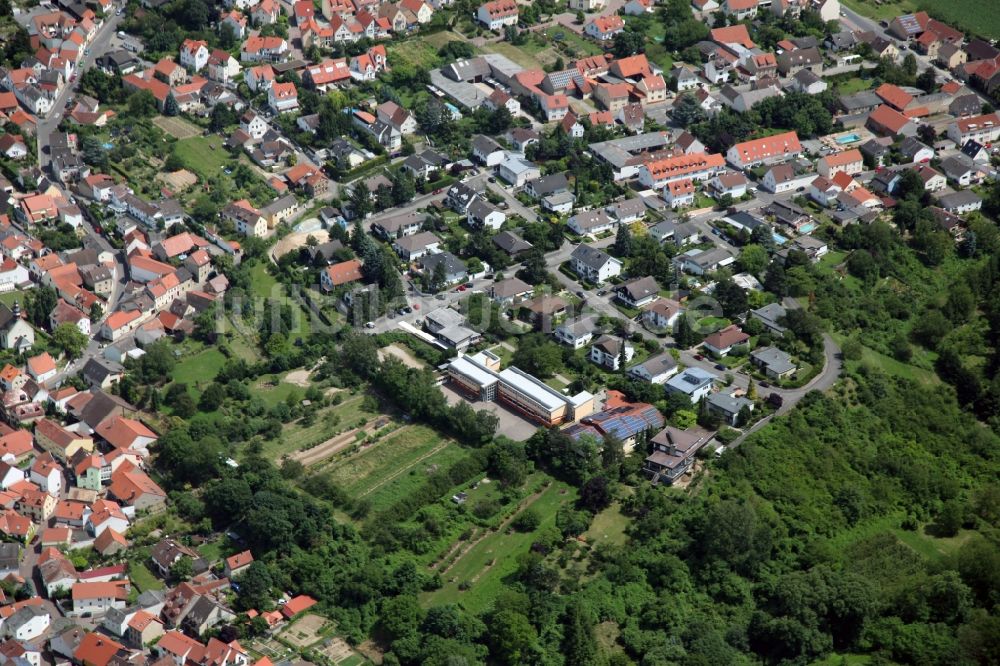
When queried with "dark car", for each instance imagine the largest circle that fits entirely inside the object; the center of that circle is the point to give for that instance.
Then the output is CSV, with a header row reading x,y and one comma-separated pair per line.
x,y
765,385
719,366
699,357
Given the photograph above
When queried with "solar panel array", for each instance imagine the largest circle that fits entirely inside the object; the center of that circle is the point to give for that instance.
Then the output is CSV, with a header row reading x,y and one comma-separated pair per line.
x,y
627,421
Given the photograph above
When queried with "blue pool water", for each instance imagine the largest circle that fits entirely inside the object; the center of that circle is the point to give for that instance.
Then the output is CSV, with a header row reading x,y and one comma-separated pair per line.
x,y
779,239
108,146
848,138
807,228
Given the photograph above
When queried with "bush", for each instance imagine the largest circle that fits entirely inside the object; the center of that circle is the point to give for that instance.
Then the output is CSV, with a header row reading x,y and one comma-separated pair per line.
x,y
485,509
526,521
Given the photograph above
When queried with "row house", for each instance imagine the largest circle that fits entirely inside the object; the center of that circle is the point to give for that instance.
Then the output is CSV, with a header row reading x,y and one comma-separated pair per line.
x,y
696,166
768,150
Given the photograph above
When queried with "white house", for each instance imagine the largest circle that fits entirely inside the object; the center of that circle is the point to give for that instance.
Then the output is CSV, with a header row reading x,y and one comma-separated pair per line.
x,y
517,170
655,370
604,28
27,623
576,333
607,352
594,265
194,54
694,382
497,14
98,598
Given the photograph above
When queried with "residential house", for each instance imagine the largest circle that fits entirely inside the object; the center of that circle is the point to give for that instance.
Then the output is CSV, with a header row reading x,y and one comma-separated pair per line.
x,y
693,382
654,370
638,293
722,342
729,407
594,265
607,351
775,363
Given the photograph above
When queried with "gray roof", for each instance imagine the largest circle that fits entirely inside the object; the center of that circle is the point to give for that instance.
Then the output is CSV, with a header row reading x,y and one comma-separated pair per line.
x,y
657,365
485,145
640,288
591,256
511,243
957,165
479,209
628,208
770,314
775,359
554,182
452,264
959,199
728,403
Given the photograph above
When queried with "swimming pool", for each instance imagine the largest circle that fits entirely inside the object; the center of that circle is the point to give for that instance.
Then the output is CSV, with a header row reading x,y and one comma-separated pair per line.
x,y
107,146
779,239
848,138
807,228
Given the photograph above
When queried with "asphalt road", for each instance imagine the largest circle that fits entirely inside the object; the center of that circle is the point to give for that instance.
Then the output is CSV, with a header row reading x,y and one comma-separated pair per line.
x,y
98,46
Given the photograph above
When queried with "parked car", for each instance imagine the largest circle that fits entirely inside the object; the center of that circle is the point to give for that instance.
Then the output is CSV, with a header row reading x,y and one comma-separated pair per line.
x,y
699,357
719,366
370,324
765,385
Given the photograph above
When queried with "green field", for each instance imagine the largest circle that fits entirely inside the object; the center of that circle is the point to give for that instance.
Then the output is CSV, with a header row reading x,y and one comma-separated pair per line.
x,y
968,15
608,527
415,52
485,566
203,155
143,578
199,367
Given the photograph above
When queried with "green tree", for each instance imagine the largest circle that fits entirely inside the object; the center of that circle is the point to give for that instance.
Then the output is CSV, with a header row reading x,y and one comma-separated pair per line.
x,y
182,569
513,639
623,241
170,107
579,645
142,104
753,259
70,339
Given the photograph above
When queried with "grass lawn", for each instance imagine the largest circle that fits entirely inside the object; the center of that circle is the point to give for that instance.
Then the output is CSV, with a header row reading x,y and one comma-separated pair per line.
x,y
514,53
412,471
962,14
8,297
416,52
891,366
143,578
608,527
712,324
203,154
213,551
272,390
261,282
932,548
853,85
485,566
200,367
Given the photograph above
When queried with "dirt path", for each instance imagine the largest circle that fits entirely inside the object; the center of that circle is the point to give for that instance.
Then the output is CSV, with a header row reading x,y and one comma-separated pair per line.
x,y
455,546
503,525
404,469
332,446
